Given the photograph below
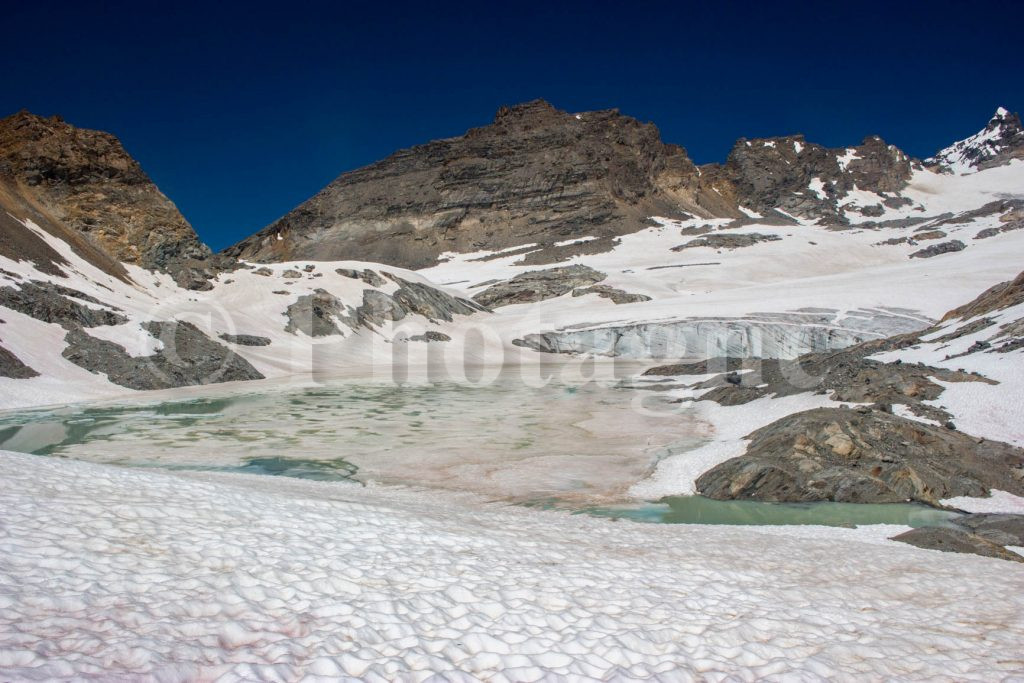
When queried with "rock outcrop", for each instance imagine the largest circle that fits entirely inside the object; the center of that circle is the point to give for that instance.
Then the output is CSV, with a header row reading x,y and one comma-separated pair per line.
x,y
863,456
56,304
538,285
13,367
805,179
187,357
956,540
86,183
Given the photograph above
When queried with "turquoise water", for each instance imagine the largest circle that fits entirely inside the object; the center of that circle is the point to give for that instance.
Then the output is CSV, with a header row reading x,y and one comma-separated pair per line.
x,y
701,510
572,447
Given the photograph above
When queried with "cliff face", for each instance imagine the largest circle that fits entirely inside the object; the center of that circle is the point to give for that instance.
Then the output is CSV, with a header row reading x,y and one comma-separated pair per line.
x,y
534,175
84,184
537,175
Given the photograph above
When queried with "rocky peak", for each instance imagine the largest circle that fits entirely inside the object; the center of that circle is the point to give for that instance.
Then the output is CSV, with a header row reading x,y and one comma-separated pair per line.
x,y
1000,141
536,175
806,179
87,182
528,114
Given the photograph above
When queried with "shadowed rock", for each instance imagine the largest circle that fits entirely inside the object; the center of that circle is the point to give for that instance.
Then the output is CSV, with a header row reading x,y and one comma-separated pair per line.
x,y
617,296
538,285
728,241
245,339
12,366
188,357
953,540
54,304
938,249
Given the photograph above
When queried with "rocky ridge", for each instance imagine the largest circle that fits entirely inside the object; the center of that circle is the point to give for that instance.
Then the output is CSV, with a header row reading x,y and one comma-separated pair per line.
x,y
82,186
537,176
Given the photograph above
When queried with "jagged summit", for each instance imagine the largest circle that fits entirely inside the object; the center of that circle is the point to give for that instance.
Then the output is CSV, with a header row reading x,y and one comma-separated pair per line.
x,y
83,182
1000,141
540,175
537,174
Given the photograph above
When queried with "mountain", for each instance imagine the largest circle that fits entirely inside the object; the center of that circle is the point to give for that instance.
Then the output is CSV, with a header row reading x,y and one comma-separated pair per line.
x,y
995,145
83,187
540,176
786,248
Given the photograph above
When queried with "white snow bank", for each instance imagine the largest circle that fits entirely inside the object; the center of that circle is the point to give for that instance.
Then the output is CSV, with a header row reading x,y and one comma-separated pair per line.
x,y
132,574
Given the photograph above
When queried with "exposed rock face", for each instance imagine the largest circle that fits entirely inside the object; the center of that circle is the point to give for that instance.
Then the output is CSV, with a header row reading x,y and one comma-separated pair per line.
x,y
728,241
616,295
539,176
188,357
430,336
863,456
1001,141
12,366
246,339
953,540
17,242
318,314
420,299
56,304
85,181
538,285
368,276
777,173
940,248
315,314
535,175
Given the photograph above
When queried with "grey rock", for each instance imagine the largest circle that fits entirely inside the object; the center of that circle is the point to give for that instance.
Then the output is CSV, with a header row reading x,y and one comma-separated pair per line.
x,y
844,455
376,308
188,357
245,339
538,285
617,296
430,336
952,540
727,241
368,276
1004,529
1006,227
315,314
941,248
13,367
54,304
291,274
430,302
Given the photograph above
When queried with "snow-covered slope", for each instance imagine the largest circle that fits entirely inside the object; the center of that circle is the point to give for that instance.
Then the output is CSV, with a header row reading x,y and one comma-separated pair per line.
x,y
772,285
282,320
141,575
1001,140
761,286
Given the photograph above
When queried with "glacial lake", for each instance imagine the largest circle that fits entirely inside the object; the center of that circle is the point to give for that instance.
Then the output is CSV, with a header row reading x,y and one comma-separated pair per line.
x,y
570,445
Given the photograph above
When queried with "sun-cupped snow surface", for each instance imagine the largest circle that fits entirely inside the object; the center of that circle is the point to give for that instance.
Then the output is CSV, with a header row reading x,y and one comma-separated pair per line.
x,y
145,575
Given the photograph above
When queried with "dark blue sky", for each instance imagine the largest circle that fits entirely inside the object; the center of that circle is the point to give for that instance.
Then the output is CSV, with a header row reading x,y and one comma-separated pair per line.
x,y
241,111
